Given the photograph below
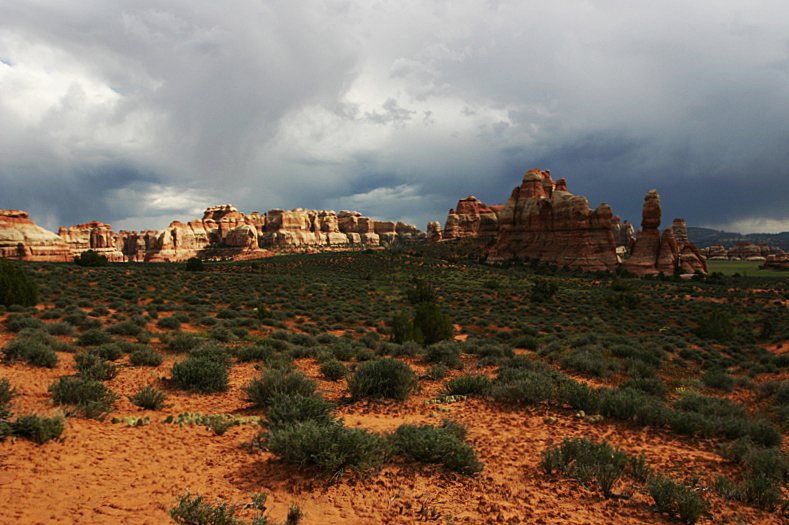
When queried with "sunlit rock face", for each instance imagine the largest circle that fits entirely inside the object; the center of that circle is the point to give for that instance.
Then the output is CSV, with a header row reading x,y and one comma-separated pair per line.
x,y
22,239
543,220
95,236
471,218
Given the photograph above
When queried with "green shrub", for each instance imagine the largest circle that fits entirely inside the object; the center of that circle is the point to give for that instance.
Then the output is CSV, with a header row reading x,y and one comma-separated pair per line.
x,y
589,360
543,290
91,258
434,325
38,429
7,393
33,350
468,385
333,370
92,366
288,409
201,374
168,323
649,385
124,328
274,382
718,379
403,330
256,352
184,342
148,398
213,351
145,356
716,327
579,396
194,264
382,378
431,444
677,499
522,386
109,351
331,448
15,286
586,460
16,322
446,353
94,337
421,292
91,398
437,371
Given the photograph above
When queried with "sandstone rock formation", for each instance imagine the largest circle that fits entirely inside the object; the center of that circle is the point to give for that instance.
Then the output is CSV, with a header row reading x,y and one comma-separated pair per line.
x,y
543,220
471,218
623,232
652,253
716,252
433,231
95,236
776,261
22,239
747,251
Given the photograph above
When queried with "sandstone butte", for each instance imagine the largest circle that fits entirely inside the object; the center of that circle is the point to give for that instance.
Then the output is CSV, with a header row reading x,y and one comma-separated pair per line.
x,y
542,220
472,218
21,238
652,253
222,230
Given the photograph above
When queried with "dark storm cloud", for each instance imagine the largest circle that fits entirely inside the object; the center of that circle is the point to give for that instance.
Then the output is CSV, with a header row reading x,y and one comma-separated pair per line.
x,y
141,113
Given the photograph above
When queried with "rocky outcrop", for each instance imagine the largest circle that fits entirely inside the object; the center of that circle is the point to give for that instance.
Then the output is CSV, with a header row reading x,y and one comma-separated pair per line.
x,y
95,236
623,231
22,239
652,253
776,261
433,231
471,218
746,251
542,220
716,252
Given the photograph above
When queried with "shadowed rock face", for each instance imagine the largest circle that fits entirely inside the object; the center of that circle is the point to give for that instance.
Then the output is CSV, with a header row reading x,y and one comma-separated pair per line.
x,y
471,218
542,220
22,239
652,253
95,236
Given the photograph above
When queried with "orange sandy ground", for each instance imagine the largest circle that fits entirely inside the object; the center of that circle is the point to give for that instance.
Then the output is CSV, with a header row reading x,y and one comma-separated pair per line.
x,y
113,473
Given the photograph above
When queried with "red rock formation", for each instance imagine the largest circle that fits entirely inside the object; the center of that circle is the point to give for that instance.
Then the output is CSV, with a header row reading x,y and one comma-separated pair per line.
x,y
747,251
95,236
433,231
776,261
651,254
22,239
623,232
543,220
716,252
471,218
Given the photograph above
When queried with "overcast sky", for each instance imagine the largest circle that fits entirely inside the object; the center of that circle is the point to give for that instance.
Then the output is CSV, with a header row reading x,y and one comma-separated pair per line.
x,y
142,112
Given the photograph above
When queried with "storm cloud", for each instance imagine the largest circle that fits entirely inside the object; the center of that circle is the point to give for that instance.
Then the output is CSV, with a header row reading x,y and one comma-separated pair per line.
x,y
139,113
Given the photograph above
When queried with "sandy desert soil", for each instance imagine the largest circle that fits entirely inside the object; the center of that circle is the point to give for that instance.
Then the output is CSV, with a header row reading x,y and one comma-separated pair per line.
x,y
105,473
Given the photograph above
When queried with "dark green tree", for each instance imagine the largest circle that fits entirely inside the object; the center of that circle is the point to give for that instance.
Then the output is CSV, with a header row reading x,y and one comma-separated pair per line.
x,y
16,287
91,259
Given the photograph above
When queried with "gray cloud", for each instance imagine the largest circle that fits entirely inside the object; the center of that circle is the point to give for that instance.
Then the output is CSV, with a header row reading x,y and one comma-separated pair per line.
x,y
142,113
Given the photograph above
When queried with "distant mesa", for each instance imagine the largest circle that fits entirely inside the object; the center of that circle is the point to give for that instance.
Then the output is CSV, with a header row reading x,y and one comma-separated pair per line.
x,y
222,231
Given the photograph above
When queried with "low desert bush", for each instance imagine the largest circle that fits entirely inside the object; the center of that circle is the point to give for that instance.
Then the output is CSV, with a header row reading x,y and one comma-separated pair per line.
x,y
522,386
288,409
677,499
148,398
92,366
196,511
333,370
273,382
579,396
93,337
33,350
213,351
255,352
91,398
38,429
468,385
446,353
201,374
440,445
382,378
145,356
330,448
586,460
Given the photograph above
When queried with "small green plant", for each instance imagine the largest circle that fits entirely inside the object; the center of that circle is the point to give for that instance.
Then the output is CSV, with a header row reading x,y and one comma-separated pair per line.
x,y
331,448
201,374
334,370
273,382
196,511
148,398
586,460
145,356
90,398
676,499
92,366
38,429
467,385
382,378
288,409
436,445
